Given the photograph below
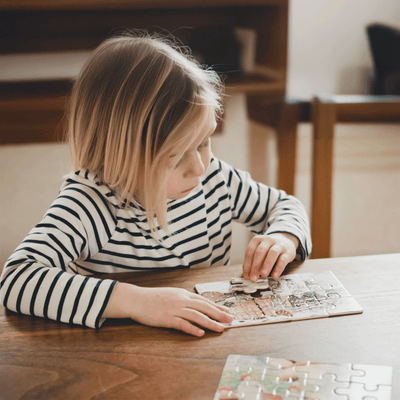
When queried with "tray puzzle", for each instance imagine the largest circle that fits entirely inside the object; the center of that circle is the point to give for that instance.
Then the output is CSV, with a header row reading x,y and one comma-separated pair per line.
x,y
261,378
291,297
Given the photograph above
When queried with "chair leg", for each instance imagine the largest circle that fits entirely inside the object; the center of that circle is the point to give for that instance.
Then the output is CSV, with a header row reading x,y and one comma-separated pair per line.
x,y
287,144
258,150
263,111
324,117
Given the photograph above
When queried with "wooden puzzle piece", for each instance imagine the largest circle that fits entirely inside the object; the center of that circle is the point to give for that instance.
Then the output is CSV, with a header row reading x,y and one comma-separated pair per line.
x,y
310,314
342,372
285,373
221,286
216,297
357,391
247,286
326,388
290,285
344,306
324,279
340,289
273,306
226,393
244,310
250,364
373,375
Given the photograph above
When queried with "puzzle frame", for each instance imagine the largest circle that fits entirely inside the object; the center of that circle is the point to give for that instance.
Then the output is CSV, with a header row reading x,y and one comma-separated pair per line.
x,y
256,378
289,298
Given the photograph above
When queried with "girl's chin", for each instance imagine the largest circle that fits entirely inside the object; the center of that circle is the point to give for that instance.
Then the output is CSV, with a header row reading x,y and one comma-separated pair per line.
x,y
181,195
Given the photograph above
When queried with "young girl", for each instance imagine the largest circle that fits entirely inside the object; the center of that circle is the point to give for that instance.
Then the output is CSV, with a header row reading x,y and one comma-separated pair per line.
x,y
147,193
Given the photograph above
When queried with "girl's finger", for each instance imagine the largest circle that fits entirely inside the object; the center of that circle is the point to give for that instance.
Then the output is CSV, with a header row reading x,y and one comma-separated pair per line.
x,y
258,260
280,265
185,326
199,297
201,319
248,257
270,259
211,311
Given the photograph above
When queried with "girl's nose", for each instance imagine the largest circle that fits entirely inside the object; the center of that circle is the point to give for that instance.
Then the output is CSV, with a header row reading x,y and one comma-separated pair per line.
x,y
195,165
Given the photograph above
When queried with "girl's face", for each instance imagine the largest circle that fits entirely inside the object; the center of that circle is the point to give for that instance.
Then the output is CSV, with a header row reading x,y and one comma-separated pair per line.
x,y
192,166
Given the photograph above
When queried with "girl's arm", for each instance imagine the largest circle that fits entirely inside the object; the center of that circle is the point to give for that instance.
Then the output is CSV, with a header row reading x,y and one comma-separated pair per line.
x,y
278,220
265,210
38,278
167,307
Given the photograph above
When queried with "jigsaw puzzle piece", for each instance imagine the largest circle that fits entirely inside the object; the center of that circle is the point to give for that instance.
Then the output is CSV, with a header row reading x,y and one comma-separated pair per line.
x,y
339,289
243,308
299,390
226,393
316,389
323,279
343,306
252,363
289,285
307,306
222,287
342,372
357,391
309,314
374,375
326,388
273,309
248,286
284,375
276,389
241,376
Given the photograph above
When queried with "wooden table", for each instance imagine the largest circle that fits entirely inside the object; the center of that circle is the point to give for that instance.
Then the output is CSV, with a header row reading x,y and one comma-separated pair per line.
x,y
41,359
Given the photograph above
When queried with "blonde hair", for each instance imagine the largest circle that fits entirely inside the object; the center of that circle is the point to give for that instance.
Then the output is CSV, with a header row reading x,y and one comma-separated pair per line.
x,y
135,102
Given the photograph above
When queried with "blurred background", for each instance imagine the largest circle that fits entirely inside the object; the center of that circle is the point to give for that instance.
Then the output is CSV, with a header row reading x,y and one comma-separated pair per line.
x,y
325,50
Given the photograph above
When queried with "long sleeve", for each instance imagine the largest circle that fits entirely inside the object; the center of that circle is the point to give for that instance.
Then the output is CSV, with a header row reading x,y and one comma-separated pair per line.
x,y
41,277
265,210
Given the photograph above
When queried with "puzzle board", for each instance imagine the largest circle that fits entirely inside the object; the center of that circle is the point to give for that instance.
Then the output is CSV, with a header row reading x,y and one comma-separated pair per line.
x,y
291,297
261,378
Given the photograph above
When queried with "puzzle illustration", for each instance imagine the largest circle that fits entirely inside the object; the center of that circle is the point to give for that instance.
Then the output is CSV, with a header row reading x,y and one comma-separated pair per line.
x,y
261,378
291,297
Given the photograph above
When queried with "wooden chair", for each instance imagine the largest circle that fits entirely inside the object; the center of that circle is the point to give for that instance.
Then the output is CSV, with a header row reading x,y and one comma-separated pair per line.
x,y
326,111
283,116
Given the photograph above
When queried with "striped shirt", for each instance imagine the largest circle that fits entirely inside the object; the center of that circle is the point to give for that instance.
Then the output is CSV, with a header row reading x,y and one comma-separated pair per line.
x,y
86,232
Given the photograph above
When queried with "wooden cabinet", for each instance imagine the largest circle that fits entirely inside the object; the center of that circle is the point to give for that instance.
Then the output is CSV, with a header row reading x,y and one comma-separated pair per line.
x,y
30,111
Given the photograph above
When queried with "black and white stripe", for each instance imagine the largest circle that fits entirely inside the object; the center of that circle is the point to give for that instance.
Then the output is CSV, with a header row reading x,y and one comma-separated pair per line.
x,y
86,232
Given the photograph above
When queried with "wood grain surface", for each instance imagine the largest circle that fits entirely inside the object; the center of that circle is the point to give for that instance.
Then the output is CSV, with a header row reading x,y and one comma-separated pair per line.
x,y
42,359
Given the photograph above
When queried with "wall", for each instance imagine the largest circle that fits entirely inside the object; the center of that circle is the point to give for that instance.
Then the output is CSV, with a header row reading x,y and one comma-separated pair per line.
x,y
328,44
328,52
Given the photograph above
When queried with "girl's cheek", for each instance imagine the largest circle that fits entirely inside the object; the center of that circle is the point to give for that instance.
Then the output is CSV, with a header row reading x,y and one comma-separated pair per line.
x,y
208,157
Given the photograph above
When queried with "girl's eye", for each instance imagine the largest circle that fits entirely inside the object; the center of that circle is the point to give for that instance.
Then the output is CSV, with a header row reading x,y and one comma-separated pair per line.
x,y
203,145
178,163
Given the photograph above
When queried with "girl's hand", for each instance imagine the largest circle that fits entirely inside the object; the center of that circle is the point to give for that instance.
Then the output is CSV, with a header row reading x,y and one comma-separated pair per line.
x,y
168,308
267,252
179,309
